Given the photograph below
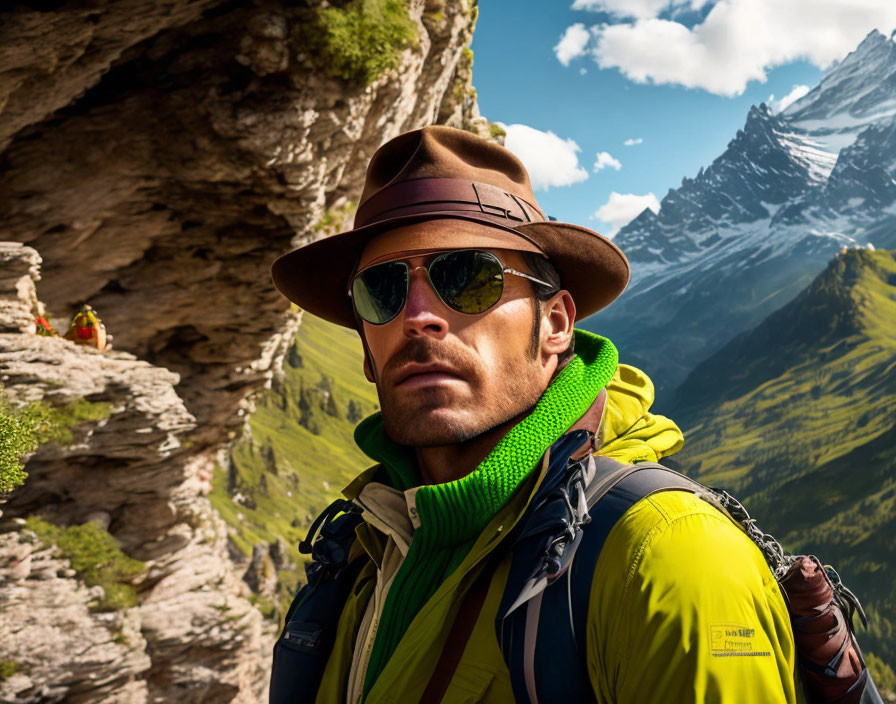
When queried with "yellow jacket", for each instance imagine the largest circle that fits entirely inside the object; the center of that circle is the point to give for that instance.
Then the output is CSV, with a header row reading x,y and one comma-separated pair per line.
x,y
683,605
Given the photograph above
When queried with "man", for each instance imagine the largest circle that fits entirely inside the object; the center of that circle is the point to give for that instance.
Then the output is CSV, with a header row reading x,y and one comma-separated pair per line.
x,y
465,299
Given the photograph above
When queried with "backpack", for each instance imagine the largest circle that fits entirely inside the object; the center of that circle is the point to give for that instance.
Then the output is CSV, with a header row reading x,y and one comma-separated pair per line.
x,y
542,616
304,645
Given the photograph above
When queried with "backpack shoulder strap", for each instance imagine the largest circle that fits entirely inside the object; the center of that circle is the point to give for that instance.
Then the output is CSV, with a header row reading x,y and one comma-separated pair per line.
x,y
642,480
543,630
303,648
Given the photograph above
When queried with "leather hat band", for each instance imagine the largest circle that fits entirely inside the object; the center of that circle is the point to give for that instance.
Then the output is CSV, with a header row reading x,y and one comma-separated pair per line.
x,y
445,194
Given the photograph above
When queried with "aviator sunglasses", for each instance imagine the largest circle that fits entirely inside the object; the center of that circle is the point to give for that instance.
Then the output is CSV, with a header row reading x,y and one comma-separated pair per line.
x,y
469,281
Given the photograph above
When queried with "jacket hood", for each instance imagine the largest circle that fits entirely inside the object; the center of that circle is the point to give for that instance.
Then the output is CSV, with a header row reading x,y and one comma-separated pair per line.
x,y
631,433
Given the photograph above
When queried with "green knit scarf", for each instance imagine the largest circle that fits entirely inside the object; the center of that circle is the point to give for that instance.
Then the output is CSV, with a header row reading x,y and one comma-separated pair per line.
x,y
454,513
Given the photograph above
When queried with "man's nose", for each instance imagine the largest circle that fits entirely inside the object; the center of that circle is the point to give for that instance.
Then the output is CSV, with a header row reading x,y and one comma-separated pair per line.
x,y
424,311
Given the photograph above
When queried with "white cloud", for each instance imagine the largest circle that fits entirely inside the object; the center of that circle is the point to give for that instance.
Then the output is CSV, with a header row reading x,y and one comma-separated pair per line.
x,y
636,8
737,40
572,43
782,104
604,159
549,159
633,141
583,71
622,208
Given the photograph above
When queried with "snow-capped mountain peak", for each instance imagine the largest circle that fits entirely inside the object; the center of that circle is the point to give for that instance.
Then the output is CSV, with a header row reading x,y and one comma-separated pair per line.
x,y
766,165
858,91
757,224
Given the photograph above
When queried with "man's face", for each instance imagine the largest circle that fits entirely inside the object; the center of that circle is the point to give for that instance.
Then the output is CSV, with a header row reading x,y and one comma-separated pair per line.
x,y
493,376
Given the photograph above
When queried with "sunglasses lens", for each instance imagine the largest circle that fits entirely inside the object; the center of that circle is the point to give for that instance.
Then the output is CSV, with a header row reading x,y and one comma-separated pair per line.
x,y
380,291
469,281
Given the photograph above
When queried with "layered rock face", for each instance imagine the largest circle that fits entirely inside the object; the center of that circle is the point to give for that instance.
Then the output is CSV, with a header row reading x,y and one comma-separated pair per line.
x,y
193,633
156,160
176,155
97,655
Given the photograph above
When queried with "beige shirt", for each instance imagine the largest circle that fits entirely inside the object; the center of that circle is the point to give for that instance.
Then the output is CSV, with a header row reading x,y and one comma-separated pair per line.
x,y
394,513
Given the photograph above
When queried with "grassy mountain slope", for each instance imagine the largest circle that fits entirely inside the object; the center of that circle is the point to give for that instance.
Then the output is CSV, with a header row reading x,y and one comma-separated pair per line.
x,y
299,452
798,419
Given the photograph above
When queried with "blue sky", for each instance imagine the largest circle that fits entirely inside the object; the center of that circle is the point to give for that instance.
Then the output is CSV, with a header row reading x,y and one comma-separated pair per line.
x,y
680,77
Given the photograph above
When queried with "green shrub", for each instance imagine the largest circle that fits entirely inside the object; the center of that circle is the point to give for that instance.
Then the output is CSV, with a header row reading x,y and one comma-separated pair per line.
x,y
23,430
96,557
18,431
495,130
358,41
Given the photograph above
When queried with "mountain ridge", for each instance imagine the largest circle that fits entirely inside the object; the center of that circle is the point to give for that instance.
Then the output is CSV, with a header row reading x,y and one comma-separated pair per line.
x,y
797,418
824,312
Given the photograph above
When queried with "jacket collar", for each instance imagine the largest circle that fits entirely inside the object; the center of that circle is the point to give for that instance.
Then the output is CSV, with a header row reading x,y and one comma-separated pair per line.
x,y
591,420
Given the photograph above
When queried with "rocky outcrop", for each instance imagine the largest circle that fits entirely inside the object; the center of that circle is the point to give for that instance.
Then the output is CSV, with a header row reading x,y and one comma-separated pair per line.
x,y
93,656
156,160
193,629
19,268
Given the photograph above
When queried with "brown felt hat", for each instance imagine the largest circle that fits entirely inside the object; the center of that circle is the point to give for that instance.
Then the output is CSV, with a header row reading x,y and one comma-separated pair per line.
x,y
457,190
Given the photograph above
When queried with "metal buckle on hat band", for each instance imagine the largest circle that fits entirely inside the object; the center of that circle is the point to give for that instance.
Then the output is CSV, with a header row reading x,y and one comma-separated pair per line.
x,y
495,199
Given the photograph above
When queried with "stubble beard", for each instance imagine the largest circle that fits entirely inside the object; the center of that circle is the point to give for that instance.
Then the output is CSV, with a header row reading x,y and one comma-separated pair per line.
x,y
417,423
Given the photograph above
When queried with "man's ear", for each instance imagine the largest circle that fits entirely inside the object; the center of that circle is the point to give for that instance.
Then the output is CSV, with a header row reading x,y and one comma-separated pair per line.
x,y
367,369
560,313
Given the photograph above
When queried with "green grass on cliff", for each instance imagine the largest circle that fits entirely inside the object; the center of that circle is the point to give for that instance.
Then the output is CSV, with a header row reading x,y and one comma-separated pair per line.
x,y
95,556
356,40
798,419
300,451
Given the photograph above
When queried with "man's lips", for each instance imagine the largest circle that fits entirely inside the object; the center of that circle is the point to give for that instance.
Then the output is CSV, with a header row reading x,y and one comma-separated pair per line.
x,y
415,375
430,379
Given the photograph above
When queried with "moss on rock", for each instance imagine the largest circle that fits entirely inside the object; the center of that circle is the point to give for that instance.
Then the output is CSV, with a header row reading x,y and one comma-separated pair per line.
x,y
8,668
333,219
58,421
357,41
95,556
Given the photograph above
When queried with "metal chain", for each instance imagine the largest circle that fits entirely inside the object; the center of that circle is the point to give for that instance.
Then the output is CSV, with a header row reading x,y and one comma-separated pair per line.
x,y
771,548
847,601
780,563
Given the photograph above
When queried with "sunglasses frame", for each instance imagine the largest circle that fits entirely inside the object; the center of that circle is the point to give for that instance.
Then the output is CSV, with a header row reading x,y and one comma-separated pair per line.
x,y
435,258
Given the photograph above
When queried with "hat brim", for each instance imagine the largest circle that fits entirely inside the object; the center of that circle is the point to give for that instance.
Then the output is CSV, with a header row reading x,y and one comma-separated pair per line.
x,y
315,277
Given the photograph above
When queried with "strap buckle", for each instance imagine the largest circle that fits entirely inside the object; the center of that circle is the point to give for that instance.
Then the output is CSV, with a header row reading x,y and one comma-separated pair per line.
x,y
508,205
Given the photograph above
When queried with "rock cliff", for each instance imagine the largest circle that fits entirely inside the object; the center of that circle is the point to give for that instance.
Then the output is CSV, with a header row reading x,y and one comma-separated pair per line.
x,y
192,634
156,159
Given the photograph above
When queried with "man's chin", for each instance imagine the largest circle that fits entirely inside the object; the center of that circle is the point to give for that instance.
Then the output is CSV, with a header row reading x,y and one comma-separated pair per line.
x,y
430,427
